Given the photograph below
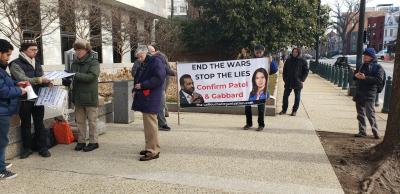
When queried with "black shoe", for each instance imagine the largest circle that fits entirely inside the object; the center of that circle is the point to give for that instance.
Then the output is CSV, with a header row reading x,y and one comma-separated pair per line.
x,y
282,112
293,114
360,135
45,153
260,129
247,127
150,156
91,147
376,136
144,152
8,165
80,146
166,114
25,154
164,128
6,174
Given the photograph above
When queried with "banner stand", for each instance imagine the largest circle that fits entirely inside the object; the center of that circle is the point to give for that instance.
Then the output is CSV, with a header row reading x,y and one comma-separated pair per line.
x,y
177,94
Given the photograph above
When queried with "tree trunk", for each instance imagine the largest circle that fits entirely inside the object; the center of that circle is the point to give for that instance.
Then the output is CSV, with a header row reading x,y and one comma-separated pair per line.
x,y
387,175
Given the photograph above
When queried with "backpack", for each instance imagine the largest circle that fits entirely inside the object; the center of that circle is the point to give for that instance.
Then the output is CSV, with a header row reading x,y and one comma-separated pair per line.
x,y
63,132
375,70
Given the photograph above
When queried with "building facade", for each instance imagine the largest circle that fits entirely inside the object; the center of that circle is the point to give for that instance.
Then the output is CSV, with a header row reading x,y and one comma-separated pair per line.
x,y
375,31
391,25
114,27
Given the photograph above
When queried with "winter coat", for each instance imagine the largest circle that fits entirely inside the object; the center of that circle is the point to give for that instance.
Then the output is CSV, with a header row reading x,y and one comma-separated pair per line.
x,y
9,93
366,89
151,76
295,72
85,81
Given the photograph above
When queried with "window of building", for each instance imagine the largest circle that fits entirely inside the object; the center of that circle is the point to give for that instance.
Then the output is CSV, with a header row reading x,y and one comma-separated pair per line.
x,y
183,9
385,33
67,27
391,32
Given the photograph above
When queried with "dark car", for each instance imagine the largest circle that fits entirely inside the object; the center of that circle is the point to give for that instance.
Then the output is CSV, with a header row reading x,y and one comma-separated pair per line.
x,y
346,61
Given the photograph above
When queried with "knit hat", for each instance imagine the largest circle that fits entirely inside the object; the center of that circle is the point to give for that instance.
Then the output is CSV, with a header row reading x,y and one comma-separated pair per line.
x,y
370,52
259,47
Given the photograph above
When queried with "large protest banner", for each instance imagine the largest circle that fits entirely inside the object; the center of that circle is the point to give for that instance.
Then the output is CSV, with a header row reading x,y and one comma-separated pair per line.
x,y
223,83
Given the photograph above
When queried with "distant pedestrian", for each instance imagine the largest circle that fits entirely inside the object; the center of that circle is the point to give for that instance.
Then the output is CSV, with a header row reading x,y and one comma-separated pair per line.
x,y
273,68
295,72
162,121
148,91
10,94
368,78
244,54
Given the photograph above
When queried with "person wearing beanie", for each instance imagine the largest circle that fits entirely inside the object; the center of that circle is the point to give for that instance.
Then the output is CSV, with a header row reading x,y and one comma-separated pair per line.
x,y
367,76
28,68
273,68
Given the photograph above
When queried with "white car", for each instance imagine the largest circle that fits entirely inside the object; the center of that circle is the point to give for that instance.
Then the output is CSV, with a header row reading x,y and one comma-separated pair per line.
x,y
381,54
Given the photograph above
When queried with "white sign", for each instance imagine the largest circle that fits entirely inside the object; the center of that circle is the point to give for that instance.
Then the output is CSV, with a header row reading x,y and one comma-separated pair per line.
x,y
53,97
223,83
58,75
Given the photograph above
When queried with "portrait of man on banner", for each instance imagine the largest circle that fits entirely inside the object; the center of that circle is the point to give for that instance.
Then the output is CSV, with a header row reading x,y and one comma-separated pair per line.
x,y
187,94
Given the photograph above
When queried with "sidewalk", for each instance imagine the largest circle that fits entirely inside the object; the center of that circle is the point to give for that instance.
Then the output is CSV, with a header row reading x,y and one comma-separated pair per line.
x,y
207,153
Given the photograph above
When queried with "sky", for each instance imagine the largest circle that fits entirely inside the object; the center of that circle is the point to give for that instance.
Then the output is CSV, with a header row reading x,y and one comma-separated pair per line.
x,y
370,3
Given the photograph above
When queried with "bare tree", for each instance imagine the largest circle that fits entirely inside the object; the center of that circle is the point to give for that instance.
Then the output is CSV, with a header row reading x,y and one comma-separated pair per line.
x,y
345,21
21,17
168,39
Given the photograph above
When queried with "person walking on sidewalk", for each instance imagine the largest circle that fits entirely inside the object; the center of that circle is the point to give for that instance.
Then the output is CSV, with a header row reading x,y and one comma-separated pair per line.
x,y
273,68
295,72
147,94
85,94
9,97
27,68
162,121
368,76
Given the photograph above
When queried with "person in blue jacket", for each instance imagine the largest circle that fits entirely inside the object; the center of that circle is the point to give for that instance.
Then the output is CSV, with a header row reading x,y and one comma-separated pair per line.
x,y
147,93
9,98
273,68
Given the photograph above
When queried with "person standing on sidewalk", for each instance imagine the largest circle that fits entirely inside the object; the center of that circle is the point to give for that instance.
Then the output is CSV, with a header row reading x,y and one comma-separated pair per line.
x,y
162,122
368,76
273,68
85,94
27,68
9,97
147,94
295,72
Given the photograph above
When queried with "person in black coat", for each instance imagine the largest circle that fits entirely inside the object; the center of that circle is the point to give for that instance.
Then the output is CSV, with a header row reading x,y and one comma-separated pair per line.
x,y
295,72
367,76
147,93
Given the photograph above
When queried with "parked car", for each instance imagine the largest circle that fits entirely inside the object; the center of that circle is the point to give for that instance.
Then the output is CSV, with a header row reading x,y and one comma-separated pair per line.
x,y
346,61
308,56
382,54
336,56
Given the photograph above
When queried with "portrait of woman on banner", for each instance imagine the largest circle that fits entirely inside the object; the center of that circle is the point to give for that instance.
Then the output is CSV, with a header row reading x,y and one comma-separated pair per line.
x,y
259,83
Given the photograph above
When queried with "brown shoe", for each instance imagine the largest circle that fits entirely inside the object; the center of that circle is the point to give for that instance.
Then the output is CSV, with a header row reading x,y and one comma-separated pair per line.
x,y
149,156
166,114
144,152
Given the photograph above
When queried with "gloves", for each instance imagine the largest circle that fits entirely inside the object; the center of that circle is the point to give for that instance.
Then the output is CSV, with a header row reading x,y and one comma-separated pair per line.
x,y
66,81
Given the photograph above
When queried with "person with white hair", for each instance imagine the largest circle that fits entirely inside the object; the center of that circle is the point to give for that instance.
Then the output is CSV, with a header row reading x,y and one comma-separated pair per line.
x,y
162,121
148,88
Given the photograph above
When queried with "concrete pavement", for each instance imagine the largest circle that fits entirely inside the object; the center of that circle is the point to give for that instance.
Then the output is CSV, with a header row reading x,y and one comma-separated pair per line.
x,y
207,153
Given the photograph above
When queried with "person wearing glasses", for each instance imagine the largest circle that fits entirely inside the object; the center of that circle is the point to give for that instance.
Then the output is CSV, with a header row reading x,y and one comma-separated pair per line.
x,y
28,68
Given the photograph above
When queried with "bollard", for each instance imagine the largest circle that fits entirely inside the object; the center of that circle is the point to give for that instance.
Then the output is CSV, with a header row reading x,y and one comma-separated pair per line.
x,y
332,73
345,78
324,73
340,82
336,76
388,94
329,73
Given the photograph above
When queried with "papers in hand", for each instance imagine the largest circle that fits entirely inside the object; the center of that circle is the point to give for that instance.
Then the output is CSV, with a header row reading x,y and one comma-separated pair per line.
x,y
58,75
53,97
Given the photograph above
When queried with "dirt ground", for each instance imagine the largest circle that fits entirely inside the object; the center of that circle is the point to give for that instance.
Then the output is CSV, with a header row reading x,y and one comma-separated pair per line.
x,y
349,158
